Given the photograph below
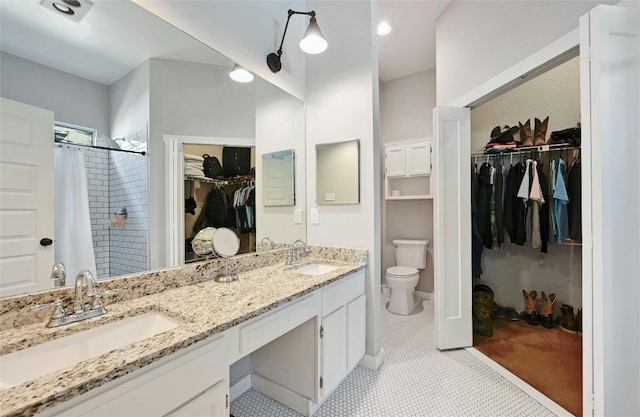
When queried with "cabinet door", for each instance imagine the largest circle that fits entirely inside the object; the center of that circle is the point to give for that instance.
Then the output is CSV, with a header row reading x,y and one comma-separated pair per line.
x,y
356,330
395,161
334,349
418,159
211,403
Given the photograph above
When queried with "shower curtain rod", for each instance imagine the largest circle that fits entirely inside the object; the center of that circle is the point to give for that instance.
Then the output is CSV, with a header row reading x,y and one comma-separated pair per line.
x,y
100,147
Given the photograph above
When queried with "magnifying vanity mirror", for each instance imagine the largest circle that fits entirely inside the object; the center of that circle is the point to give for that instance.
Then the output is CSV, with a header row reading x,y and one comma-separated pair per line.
x,y
226,244
338,172
120,86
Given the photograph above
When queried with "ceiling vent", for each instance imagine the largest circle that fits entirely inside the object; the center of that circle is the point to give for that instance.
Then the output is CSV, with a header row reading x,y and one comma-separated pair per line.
x,y
73,9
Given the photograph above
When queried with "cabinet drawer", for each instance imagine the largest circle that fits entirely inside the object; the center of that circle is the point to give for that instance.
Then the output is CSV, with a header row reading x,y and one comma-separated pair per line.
x,y
262,331
341,292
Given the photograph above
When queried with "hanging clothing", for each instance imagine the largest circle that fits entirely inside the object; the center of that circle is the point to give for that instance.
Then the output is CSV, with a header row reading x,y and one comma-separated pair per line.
x,y
476,239
515,211
560,204
484,201
544,209
506,240
574,185
495,244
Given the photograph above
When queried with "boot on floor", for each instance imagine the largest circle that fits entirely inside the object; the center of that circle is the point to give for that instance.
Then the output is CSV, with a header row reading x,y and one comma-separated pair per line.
x,y
482,307
546,310
525,133
530,315
540,132
567,321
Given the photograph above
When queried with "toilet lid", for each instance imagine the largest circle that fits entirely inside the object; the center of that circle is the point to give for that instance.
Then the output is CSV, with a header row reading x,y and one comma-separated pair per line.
x,y
401,271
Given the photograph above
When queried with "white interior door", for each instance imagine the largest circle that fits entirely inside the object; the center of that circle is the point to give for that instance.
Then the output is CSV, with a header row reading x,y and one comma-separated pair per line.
x,y
26,198
452,246
610,90
277,181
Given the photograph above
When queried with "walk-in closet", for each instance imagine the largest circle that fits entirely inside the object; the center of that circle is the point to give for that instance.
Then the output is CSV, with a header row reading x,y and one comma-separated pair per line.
x,y
526,240
219,188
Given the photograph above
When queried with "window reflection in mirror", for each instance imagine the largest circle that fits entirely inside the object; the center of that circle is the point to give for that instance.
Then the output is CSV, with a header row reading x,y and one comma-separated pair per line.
x,y
278,182
338,172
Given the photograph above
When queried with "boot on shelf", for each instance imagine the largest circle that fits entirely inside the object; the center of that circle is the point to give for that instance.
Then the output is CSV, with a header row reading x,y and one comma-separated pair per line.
x,y
546,310
482,307
540,132
567,321
530,315
525,133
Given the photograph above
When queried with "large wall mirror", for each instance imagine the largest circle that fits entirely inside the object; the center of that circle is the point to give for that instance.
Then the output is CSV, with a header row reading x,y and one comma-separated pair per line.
x,y
338,172
131,90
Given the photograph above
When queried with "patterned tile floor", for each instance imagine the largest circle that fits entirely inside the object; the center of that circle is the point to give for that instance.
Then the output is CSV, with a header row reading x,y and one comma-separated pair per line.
x,y
416,379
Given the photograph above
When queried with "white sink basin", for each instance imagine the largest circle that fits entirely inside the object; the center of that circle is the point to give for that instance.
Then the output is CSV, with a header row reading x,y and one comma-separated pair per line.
x,y
30,363
316,269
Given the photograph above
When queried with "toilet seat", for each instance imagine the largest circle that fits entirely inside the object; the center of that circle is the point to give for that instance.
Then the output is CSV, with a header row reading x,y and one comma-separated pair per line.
x,y
401,272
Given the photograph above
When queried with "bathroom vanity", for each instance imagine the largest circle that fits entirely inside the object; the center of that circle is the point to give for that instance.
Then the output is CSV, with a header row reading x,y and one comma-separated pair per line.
x,y
305,332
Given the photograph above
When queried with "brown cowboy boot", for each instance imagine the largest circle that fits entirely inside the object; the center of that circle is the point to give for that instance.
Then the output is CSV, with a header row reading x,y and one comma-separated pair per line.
x,y
540,132
546,310
567,322
525,133
530,315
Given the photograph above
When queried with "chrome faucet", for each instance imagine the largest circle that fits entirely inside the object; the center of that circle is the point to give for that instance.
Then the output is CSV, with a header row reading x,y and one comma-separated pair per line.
x,y
59,274
295,255
273,244
84,277
60,318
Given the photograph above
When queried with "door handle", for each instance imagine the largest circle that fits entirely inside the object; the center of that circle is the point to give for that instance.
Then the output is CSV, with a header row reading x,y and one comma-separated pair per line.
x,y
45,241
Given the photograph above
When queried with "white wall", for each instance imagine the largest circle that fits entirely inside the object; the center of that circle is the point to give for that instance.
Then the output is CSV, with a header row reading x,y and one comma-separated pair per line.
x,y
341,99
73,99
477,40
280,125
129,101
246,32
405,111
195,100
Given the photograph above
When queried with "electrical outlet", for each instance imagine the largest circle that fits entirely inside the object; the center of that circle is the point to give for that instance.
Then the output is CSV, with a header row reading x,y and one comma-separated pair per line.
x,y
329,196
315,216
297,216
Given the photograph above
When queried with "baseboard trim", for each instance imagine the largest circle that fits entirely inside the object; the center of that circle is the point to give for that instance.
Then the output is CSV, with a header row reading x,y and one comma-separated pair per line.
x,y
373,362
281,394
545,401
240,387
425,295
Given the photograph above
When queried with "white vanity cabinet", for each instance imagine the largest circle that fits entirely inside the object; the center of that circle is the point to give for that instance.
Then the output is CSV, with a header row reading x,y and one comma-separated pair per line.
x,y
342,332
407,169
188,383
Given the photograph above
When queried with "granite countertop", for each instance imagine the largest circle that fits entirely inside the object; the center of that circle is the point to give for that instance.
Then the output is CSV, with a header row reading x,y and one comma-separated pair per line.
x,y
204,309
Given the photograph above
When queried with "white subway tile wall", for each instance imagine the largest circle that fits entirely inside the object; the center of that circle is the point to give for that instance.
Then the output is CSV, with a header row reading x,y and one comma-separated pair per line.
x,y
117,180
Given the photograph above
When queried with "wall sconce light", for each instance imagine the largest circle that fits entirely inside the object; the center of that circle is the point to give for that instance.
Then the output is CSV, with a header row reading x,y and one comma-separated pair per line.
x,y
240,74
313,42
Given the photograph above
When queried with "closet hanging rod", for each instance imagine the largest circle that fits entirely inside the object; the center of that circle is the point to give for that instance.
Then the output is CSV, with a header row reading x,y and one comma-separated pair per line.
x,y
522,151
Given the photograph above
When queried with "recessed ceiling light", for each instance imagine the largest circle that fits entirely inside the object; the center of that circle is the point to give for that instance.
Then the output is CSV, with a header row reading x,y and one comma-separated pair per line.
x,y
384,28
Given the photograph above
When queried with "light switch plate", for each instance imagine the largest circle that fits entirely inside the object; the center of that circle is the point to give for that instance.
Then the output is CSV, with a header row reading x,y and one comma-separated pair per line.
x,y
329,196
297,216
315,216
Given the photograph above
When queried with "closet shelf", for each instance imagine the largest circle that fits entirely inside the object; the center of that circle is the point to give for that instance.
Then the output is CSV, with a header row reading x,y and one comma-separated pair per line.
x,y
410,197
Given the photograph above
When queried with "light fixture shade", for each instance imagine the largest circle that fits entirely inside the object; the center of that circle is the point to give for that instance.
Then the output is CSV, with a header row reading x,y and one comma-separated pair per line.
x,y
384,28
313,42
240,74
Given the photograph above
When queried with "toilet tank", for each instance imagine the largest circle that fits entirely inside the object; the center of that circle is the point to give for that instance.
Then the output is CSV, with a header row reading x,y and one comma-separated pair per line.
x,y
411,252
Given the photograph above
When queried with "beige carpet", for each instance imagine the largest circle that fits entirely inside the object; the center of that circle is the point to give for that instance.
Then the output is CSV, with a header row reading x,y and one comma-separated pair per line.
x,y
550,360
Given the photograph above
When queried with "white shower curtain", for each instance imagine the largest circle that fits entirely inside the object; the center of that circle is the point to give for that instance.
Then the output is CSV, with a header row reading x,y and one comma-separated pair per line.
x,y
73,242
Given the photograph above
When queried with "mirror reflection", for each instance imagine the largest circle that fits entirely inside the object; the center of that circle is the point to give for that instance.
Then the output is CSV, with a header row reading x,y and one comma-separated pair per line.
x,y
338,172
121,91
278,183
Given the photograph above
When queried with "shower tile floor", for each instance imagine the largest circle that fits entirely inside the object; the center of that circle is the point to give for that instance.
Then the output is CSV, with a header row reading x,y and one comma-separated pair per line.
x,y
416,379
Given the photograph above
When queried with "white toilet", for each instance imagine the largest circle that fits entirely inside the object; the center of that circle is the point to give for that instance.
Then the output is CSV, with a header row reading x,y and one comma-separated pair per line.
x,y
411,255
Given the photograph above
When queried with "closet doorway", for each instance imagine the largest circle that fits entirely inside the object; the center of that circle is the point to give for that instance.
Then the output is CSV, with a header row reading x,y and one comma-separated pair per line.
x,y
609,269
180,188
522,255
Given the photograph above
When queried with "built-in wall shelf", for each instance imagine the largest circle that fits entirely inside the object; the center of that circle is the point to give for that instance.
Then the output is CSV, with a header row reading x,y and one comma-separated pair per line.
x,y
408,170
